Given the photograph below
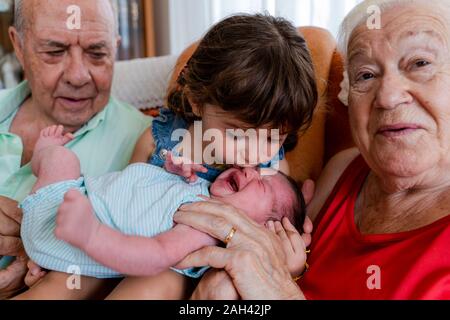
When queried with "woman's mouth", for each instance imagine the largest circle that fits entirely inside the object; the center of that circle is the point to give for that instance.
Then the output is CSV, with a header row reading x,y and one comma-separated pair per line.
x,y
398,130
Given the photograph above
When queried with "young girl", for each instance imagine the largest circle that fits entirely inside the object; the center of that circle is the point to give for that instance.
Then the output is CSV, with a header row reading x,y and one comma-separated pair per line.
x,y
248,72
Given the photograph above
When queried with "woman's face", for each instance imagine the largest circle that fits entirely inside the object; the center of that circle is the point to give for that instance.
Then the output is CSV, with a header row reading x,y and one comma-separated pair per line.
x,y
400,91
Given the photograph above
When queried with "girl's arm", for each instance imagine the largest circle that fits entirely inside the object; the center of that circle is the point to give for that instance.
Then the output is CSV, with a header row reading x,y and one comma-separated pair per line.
x,y
284,166
144,147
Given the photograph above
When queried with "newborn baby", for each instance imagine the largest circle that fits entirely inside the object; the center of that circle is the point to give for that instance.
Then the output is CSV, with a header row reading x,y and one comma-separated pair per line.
x,y
122,223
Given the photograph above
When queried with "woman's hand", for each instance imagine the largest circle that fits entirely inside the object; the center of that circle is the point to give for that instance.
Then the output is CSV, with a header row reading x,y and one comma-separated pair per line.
x,y
254,258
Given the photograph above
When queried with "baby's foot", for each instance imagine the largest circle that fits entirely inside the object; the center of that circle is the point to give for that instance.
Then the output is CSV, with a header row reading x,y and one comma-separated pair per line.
x,y
75,220
52,136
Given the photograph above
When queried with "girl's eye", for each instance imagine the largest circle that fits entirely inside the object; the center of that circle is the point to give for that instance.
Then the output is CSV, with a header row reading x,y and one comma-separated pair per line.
x,y
235,137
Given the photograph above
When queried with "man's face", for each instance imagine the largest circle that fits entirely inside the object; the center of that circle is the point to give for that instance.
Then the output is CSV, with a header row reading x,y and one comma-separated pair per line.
x,y
70,71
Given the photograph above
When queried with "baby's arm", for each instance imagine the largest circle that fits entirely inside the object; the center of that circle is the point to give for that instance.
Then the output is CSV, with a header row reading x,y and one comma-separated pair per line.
x,y
129,255
142,256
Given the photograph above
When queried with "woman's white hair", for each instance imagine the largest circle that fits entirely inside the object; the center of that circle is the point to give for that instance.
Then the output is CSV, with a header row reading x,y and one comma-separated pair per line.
x,y
20,24
361,13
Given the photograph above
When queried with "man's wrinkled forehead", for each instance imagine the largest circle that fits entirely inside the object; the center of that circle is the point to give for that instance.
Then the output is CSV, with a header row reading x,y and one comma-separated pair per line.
x,y
49,16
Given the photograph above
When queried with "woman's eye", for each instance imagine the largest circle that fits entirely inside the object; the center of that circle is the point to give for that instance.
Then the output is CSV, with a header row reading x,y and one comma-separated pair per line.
x,y
365,76
421,63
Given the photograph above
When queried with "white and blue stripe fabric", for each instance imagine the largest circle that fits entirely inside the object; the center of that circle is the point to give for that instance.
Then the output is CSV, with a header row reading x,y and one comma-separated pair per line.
x,y
139,201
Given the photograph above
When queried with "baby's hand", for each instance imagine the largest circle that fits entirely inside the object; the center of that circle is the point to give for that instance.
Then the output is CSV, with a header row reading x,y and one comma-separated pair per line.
x,y
75,221
293,245
182,167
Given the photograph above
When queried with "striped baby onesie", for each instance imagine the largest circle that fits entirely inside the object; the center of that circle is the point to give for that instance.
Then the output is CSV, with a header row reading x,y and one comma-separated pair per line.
x,y
139,201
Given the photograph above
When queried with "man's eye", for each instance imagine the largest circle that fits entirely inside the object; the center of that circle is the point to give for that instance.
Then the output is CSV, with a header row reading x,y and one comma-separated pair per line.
x,y
58,53
97,55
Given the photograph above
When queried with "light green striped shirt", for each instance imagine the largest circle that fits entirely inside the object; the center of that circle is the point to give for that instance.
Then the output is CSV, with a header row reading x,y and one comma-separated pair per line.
x,y
103,145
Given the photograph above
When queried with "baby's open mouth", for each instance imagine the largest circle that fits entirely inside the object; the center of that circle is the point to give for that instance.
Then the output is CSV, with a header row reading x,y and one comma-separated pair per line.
x,y
233,183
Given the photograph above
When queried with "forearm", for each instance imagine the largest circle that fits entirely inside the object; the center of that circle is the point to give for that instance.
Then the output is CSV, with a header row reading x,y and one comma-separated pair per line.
x,y
130,255
143,256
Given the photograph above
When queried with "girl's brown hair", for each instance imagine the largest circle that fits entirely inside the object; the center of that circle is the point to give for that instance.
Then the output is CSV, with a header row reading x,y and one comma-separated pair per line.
x,y
256,67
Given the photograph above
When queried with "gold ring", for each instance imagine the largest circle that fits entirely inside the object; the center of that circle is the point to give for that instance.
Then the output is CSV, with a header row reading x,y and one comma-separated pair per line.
x,y
230,235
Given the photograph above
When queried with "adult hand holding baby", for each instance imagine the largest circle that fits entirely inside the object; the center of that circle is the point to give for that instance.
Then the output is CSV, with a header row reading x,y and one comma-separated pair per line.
x,y
254,258
11,278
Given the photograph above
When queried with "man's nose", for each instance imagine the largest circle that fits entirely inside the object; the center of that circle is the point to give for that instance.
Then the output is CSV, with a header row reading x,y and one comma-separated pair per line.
x,y
77,72
393,91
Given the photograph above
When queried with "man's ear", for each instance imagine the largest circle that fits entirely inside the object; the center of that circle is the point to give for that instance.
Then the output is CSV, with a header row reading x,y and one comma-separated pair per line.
x,y
17,43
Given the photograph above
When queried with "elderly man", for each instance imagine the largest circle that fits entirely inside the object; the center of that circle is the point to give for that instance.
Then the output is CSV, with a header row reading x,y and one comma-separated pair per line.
x,y
69,70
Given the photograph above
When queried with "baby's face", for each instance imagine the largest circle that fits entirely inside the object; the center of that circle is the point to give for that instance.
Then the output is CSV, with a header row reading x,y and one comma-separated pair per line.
x,y
261,197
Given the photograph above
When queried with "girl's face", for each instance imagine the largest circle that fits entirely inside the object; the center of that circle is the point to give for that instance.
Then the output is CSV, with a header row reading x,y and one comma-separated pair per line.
x,y
228,140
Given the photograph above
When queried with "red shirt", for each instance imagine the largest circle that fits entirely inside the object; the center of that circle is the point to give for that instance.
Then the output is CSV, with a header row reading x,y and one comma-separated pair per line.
x,y
344,264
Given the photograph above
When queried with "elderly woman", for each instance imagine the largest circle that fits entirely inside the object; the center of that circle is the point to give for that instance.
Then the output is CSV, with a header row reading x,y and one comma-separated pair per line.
x,y
382,211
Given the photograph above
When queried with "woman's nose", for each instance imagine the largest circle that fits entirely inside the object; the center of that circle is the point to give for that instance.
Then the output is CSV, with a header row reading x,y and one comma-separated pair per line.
x,y
393,91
